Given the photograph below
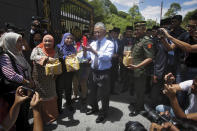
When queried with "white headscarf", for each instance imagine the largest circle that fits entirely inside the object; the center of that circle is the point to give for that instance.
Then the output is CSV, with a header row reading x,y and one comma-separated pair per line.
x,y
8,42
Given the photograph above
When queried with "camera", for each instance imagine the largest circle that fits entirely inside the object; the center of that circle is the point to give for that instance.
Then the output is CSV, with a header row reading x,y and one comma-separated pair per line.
x,y
153,116
28,91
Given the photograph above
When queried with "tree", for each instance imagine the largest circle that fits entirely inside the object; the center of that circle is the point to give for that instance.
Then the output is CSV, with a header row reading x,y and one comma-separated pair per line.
x,y
173,10
150,23
113,9
135,14
116,21
99,10
187,16
122,14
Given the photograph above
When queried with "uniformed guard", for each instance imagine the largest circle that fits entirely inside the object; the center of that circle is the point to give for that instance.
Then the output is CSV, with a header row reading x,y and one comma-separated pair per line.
x,y
142,54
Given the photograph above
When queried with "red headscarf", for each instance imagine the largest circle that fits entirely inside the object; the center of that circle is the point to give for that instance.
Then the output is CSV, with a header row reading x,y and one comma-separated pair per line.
x,y
48,52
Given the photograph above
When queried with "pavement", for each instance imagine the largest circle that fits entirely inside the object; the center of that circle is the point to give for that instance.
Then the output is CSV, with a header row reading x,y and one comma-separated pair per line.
x,y
118,116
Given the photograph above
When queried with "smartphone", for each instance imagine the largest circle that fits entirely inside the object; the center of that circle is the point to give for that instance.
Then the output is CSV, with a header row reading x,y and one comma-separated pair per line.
x,y
28,91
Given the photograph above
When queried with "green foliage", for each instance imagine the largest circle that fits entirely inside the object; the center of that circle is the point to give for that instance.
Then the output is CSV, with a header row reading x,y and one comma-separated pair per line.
x,y
135,14
116,21
113,9
105,11
150,23
173,10
122,14
187,16
99,10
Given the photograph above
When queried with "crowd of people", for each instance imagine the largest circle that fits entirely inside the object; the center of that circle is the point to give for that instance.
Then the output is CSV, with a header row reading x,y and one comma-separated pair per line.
x,y
162,68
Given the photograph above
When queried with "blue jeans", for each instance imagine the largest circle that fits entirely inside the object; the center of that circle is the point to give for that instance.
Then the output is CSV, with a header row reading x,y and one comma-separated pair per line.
x,y
163,108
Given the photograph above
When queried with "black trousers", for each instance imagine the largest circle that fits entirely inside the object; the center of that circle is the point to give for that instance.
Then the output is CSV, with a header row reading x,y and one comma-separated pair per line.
x,y
114,73
99,89
140,87
64,85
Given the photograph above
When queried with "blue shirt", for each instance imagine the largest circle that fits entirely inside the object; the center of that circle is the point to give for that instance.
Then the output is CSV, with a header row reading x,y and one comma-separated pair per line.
x,y
104,54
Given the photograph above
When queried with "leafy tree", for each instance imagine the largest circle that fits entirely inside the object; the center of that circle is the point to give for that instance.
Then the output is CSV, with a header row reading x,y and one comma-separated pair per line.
x,y
135,14
122,14
187,16
113,9
99,10
173,10
150,23
116,21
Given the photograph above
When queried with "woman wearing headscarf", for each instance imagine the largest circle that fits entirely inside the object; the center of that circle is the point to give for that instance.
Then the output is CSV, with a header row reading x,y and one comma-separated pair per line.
x,y
45,85
16,70
64,81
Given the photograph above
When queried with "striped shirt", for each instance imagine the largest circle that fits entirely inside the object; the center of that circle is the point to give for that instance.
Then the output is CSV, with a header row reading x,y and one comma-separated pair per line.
x,y
8,70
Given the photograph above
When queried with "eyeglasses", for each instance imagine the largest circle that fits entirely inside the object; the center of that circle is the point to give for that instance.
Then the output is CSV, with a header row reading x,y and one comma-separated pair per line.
x,y
193,27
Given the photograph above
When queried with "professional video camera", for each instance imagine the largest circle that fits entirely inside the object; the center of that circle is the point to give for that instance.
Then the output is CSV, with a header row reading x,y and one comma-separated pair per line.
x,y
153,116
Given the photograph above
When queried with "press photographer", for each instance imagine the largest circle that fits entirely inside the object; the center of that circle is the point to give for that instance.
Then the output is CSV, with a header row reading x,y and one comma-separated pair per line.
x,y
20,97
170,90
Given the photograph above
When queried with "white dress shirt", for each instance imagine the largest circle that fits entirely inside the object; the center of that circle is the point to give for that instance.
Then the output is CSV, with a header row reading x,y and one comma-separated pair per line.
x,y
104,54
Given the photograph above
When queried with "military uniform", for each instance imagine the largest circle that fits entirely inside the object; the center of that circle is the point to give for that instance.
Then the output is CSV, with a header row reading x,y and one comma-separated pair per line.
x,y
142,50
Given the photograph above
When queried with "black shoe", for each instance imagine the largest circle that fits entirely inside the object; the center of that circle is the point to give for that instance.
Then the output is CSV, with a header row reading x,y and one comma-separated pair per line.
x,y
91,111
133,113
100,118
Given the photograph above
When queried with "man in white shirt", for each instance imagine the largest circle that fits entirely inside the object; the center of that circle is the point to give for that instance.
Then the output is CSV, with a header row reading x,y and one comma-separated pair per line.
x,y
100,53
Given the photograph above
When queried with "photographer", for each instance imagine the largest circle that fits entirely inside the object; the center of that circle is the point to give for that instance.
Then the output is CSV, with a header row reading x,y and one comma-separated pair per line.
x,y
189,37
160,66
20,97
170,90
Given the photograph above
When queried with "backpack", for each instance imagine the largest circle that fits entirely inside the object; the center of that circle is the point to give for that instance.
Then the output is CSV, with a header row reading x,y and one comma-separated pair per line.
x,y
6,85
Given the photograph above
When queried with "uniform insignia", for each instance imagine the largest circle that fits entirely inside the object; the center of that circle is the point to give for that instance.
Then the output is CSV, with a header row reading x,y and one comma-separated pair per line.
x,y
149,46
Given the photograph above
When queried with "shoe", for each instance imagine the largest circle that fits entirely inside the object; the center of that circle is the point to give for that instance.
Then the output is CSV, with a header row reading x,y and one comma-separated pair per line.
x,y
133,113
91,111
100,118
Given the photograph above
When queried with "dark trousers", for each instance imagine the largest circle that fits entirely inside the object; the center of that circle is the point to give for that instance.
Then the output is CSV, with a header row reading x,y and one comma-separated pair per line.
x,y
99,89
114,74
64,85
157,96
140,88
22,123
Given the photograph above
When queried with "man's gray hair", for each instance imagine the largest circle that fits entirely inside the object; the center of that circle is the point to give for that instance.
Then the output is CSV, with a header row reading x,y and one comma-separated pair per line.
x,y
100,24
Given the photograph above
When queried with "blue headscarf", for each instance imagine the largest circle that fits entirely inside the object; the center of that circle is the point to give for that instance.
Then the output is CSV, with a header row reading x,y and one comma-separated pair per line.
x,y
66,49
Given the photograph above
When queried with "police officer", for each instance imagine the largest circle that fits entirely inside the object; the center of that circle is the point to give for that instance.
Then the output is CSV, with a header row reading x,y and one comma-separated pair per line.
x,y
142,54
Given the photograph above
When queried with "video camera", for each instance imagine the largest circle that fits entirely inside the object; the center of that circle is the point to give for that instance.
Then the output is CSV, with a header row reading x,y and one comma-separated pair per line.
x,y
153,116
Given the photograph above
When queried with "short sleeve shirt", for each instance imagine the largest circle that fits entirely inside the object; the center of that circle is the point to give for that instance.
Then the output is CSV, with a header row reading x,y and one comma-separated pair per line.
x,y
186,86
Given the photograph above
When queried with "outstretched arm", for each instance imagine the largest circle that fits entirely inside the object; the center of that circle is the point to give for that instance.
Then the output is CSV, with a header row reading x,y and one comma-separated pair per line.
x,y
14,111
181,44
